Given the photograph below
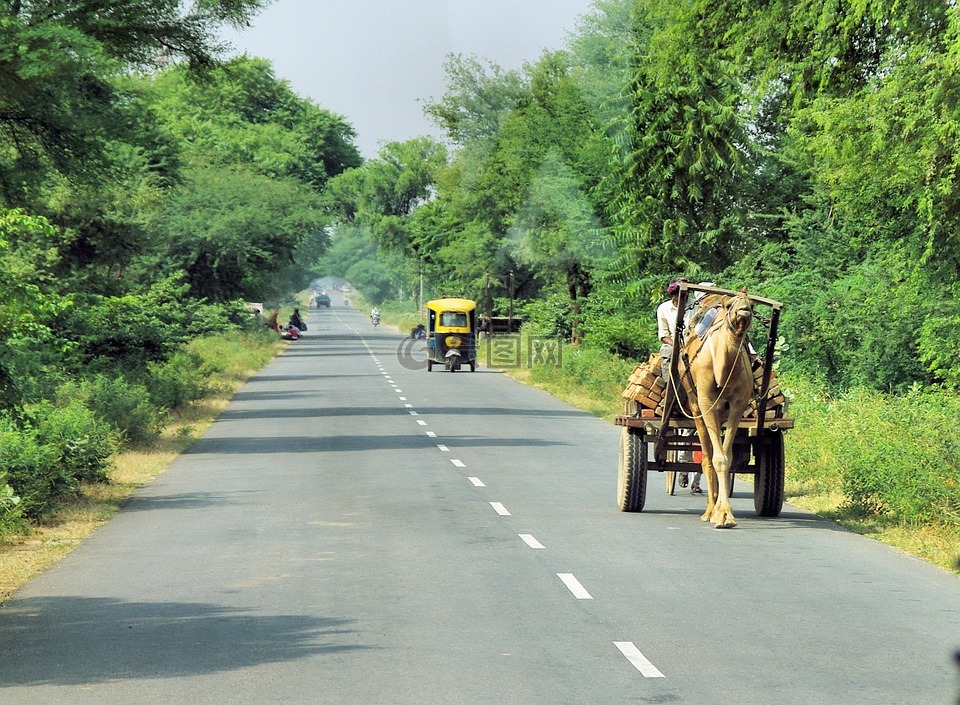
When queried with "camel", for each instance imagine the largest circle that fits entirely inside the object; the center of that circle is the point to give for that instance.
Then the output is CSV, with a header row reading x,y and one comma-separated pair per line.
x,y
717,376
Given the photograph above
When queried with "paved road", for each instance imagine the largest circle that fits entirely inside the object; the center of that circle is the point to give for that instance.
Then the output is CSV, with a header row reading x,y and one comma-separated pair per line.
x,y
354,531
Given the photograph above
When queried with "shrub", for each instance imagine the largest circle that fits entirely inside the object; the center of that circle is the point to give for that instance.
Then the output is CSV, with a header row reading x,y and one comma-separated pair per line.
x,y
31,469
11,509
83,442
178,381
895,455
125,406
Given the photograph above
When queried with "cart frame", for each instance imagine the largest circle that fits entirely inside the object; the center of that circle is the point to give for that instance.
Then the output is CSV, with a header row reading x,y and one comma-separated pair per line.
x,y
654,444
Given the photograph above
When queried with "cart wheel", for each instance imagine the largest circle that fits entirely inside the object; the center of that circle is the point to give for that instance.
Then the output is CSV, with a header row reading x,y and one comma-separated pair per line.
x,y
768,482
671,481
632,474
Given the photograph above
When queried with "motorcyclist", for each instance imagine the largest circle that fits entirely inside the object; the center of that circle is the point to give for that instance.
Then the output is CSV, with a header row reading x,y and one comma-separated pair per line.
x,y
375,315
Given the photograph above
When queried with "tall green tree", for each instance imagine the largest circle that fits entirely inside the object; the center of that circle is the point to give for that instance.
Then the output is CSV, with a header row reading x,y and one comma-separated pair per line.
x,y
28,250
235,232
59,107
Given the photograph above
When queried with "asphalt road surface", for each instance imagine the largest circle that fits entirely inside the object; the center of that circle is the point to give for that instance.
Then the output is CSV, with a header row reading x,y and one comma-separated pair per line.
x,y
355,531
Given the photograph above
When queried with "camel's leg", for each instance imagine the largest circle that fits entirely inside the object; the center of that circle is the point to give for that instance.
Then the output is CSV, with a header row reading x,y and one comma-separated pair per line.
x,y
706,463
718,504
723,513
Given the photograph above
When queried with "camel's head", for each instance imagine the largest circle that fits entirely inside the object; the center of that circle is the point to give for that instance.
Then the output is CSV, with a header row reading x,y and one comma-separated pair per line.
x,y
739,313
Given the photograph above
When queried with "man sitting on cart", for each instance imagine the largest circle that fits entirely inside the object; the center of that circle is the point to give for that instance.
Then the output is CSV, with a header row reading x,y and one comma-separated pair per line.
x,y
666,324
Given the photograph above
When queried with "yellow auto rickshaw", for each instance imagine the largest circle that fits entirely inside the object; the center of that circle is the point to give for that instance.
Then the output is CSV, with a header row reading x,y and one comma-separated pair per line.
x,y
451,334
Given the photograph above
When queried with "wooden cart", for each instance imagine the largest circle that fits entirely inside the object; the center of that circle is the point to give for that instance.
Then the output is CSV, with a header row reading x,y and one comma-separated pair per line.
x,y
657,436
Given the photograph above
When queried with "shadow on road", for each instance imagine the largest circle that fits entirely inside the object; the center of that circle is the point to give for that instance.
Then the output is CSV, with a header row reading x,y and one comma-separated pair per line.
x,y
79,640
378,411
346,443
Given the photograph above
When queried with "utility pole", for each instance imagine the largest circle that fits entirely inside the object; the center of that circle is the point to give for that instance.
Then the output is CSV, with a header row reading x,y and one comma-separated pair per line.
x,y
510,287
420,300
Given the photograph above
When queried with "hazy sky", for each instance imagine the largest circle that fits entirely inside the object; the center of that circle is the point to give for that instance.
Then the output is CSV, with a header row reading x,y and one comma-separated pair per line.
x,y
372,61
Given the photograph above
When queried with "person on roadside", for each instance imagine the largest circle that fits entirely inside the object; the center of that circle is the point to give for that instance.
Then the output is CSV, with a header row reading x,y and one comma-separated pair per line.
x,y
272,322
297,321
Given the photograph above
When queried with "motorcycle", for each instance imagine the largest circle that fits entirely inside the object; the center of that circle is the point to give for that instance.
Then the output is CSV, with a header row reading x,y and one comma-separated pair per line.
x,y
375,317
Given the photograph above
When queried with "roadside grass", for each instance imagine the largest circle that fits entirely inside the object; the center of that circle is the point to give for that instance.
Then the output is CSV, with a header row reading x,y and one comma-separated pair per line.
x,y
883,466
233,358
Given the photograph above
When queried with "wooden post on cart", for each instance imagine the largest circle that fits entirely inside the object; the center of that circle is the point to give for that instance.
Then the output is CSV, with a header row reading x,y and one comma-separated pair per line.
x,y
670,391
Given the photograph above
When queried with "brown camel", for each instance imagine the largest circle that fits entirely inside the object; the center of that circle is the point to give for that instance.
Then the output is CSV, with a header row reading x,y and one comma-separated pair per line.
x,y
719,383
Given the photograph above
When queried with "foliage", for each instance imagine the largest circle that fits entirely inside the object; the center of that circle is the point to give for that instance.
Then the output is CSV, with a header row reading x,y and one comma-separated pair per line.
x,y
26,244
855,443
125,406
11,509
477,98
84,442
177,381
241,113
49,452
233,231
60,110
31,470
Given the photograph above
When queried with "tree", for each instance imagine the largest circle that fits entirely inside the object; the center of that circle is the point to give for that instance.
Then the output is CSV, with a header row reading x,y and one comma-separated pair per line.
x,y
28,246
477,97
234,231
383,193
557,233
59,108
684,155
241,113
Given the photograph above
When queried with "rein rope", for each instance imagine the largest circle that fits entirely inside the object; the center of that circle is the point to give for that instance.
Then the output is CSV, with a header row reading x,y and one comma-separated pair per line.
x,y
713,328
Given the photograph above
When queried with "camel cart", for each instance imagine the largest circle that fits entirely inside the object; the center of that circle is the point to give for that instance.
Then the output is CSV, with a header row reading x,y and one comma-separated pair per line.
x,y
658,435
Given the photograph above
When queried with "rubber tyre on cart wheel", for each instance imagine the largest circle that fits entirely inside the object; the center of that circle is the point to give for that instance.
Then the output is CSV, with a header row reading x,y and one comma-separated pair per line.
x,y
768,482
632,471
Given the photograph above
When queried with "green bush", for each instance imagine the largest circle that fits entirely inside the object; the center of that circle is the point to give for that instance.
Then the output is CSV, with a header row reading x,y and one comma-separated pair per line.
x,y
84,442
178,381
32,470
125,406
11,509
549,316
895,455
46,455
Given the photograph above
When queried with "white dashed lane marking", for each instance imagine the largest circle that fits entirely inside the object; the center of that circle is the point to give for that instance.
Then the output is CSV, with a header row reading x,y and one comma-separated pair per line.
x,y
476,482
443,448
639,661
421,422
530,541
500,509
574,586
430,434
459,463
